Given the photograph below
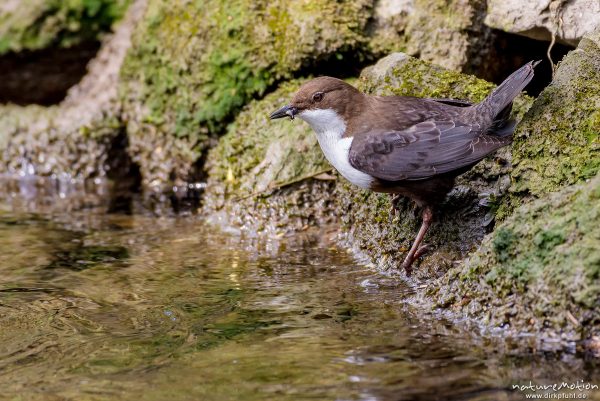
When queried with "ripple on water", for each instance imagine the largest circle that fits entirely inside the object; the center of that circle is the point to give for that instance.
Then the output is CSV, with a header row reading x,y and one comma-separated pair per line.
x,y
101,307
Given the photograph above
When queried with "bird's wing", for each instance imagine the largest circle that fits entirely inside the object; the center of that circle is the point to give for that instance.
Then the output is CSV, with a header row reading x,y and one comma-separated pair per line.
x,y
452,102
422,150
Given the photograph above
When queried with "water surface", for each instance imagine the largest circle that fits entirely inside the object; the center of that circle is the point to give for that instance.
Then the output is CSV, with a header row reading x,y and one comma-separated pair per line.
x,y
118,307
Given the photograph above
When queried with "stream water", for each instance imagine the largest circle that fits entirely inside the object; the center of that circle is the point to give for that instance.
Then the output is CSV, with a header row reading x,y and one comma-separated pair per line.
x,y
118,307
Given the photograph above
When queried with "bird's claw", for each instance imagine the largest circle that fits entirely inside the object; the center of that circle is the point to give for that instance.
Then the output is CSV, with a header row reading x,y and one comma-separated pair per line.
x,y
394,204
408,261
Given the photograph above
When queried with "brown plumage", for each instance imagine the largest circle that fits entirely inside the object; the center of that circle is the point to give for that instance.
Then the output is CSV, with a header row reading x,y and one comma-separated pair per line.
x,y
405,145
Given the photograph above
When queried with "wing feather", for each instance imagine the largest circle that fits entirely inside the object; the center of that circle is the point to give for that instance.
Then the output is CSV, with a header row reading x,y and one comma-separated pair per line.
x,y
422,150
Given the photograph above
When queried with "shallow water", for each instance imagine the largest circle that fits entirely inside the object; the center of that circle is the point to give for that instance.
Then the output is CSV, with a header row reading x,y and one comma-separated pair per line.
x,y
99,307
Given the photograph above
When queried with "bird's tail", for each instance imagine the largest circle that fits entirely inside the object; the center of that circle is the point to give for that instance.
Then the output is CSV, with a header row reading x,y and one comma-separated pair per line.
x,y
495,109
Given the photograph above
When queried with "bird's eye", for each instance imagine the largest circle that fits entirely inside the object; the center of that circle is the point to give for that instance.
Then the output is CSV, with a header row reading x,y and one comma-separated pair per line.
x,y
317,97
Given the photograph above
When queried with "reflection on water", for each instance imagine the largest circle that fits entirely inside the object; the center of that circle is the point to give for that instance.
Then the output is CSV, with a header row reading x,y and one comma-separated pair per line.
x,y
132,307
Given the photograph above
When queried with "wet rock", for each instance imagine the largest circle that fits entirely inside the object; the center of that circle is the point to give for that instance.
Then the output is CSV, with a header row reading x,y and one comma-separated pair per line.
x,y
568,21
538,271
557,142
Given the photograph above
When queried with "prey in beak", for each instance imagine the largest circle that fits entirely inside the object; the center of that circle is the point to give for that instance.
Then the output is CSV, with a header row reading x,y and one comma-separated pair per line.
x,y
285,111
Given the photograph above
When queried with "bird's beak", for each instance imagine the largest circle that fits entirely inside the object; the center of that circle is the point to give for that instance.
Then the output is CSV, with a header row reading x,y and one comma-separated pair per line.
x,y
285,111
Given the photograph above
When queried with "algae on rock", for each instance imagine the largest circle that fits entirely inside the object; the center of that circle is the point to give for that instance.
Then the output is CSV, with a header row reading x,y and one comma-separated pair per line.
x,y
558,142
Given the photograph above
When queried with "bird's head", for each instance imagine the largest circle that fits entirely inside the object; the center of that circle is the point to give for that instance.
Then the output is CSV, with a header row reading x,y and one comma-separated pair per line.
x,y
323,102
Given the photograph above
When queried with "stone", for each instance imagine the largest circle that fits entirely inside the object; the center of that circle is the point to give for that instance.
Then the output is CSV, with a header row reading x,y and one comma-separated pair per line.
x,y
38,24
568,21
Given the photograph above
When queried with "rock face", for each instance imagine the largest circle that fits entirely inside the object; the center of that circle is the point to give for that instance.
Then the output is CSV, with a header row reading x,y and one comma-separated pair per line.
x,y
557,144
450,34
569,21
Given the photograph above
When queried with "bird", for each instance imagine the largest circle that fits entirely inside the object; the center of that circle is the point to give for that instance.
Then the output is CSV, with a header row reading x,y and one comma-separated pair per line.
x,y
406,146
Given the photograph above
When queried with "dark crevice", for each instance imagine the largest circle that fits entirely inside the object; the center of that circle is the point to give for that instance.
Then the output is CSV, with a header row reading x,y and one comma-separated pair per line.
x,y
189,198
509,51
44,76
124,175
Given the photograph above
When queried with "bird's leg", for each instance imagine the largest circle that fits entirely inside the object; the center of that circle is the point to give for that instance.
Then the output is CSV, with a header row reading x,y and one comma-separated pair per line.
x,y
415,250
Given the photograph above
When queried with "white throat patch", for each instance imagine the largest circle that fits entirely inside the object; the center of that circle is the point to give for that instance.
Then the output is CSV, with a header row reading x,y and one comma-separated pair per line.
x,y
330,128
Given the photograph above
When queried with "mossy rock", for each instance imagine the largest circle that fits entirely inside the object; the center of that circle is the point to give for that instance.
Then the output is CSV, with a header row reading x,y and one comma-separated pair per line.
x,y
557,144
264,175
38,24
193,64
539,271
466,216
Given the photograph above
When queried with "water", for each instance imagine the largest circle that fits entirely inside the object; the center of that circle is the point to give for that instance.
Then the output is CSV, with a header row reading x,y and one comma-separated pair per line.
x,y
116,307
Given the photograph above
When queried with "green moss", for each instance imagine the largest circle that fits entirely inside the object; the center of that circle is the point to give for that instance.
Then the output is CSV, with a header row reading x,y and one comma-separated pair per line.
x,y
37,24
412,77
558,142
503,243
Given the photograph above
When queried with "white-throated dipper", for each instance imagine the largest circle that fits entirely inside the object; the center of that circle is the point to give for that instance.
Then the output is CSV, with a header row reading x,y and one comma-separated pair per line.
x,y
406,146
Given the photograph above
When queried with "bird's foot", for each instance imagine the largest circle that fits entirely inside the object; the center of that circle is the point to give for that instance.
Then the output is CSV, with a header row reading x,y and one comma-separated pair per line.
x,y
409,259
394,204
423,249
